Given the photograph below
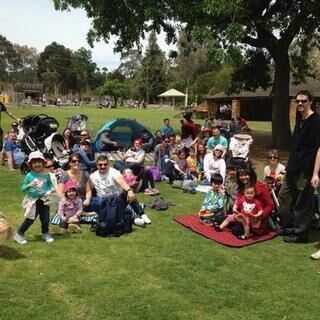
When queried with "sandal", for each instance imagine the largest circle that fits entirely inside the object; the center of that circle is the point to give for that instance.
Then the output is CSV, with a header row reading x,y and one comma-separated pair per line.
x,y
216,226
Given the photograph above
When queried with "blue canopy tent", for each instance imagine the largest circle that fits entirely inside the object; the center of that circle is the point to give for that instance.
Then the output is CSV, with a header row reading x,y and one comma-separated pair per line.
x,y
123,131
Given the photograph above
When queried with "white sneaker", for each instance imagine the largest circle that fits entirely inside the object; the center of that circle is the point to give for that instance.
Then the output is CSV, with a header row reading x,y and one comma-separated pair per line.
x,y
139,222
20,239
316,255
47,238
145,218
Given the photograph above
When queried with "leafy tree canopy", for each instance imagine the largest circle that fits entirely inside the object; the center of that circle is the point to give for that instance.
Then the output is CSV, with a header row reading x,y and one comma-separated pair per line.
x,y
264,29
113,88
8,58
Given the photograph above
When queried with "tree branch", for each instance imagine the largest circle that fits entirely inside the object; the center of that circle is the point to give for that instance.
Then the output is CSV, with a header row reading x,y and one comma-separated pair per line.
x,y
253,42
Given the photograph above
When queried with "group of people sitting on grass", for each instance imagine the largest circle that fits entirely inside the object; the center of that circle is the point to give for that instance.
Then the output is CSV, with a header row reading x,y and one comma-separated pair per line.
x,y
73,190
206,156
78,191
240,200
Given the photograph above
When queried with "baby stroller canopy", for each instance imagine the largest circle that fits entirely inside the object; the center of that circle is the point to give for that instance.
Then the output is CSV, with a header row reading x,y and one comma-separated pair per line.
x,y
37,128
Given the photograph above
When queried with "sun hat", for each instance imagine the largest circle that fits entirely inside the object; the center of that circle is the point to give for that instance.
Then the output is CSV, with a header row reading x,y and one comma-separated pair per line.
x,y
36,155
70,185
219,147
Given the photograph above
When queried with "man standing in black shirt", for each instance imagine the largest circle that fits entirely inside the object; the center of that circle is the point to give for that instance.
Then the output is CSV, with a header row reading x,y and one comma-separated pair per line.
x,y
296,194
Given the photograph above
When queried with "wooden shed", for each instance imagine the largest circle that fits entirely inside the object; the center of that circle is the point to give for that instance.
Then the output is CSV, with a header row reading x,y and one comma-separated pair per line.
x,y
257,105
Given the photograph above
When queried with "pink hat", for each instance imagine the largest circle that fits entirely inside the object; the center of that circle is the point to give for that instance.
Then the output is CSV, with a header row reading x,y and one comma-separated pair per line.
x,y
69,185
36,155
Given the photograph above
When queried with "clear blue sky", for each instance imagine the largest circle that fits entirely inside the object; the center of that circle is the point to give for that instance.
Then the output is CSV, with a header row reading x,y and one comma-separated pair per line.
x,y
36,23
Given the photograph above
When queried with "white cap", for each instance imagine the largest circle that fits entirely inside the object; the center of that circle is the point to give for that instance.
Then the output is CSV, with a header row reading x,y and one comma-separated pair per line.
x,y
219,147
36,155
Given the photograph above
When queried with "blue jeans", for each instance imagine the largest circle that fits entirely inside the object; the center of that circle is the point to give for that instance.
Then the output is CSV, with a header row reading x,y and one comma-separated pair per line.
x,y
94,204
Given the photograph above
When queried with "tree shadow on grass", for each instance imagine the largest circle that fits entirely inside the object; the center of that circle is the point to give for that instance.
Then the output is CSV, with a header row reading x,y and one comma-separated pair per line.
x,y
9,253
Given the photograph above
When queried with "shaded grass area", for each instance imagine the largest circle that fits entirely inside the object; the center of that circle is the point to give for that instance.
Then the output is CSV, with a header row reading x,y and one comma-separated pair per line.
x,y
161,272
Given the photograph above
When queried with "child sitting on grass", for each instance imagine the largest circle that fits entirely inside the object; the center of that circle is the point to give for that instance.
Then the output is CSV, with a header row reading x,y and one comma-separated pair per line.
x,y
70,208
144,183
247,210
130,178
37,184
193,163
183,164
212,210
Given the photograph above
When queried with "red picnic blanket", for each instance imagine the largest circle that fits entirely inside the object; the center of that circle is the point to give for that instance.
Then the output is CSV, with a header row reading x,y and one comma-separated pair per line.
x,y
224,237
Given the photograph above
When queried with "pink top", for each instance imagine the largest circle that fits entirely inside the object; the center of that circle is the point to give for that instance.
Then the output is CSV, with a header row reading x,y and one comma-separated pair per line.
x,y
69,208
130,179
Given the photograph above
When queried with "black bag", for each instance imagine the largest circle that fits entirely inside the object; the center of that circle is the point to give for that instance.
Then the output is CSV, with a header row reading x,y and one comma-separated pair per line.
x,y
114,220
159,204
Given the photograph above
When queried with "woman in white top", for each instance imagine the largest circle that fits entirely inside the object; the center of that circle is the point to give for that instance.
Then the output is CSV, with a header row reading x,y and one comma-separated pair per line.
x,y
274,169
133,158
214,163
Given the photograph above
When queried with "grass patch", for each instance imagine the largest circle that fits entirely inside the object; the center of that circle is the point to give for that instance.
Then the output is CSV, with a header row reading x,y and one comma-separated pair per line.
x,y
161,272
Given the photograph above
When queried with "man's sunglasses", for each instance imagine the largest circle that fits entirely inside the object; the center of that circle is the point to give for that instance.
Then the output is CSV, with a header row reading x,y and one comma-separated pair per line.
x,y
49,166
272,157
301,101
102,164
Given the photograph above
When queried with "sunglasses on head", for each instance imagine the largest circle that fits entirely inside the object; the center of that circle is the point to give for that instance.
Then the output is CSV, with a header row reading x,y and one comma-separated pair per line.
x,y
75,161
301,101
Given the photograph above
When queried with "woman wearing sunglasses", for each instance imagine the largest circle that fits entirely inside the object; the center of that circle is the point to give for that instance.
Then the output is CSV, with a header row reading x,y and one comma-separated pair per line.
x,y
81,178
274,169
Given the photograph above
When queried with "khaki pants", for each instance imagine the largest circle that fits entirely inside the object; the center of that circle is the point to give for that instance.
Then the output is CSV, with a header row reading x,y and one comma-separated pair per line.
x,y
296,203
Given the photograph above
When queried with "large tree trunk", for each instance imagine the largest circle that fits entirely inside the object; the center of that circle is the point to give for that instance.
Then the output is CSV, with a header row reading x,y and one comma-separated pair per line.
x,y
281,133
186,96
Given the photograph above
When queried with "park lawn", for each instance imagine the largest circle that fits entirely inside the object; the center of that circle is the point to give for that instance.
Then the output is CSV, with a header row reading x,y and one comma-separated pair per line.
x,y
161,272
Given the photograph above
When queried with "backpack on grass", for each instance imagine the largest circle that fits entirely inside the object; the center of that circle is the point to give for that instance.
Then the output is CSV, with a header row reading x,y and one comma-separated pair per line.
x,y
113,218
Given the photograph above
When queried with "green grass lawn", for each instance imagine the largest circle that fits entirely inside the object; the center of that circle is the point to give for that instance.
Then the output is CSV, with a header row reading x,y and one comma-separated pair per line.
x,y
161,272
